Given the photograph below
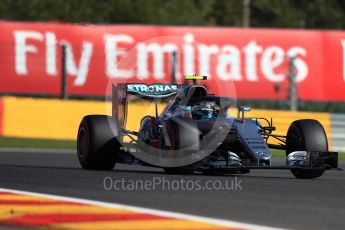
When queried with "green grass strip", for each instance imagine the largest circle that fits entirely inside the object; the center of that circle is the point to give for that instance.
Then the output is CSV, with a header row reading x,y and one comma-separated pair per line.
x,y
14,142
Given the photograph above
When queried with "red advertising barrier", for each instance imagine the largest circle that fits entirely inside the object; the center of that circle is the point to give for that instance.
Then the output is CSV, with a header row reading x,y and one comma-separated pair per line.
x,y
256,61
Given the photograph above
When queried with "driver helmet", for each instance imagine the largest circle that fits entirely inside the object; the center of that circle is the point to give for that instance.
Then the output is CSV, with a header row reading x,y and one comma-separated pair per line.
x,y
205,110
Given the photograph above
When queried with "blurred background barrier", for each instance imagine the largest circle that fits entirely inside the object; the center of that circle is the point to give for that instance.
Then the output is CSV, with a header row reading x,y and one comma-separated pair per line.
x,y
338,131
59,119
46,118
1,116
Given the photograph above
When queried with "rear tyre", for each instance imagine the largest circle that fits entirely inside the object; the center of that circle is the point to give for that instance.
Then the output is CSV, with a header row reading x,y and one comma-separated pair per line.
x,y
97,145
306,135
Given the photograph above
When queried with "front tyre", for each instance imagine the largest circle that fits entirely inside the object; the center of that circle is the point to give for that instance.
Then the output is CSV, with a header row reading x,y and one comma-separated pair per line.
x,y
306,135
97,145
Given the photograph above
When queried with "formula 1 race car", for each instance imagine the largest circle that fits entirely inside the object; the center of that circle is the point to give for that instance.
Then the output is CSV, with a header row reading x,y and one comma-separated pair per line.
x,y
195,132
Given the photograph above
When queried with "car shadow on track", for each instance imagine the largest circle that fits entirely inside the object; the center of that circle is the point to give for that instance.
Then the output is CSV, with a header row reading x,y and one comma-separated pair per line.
x,y
197,174
151,171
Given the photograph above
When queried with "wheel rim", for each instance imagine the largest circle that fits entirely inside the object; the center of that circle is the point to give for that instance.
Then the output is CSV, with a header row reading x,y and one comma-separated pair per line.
x,y
81,142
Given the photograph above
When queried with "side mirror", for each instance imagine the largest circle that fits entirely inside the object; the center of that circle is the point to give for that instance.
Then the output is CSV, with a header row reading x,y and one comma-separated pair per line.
x,y
244,108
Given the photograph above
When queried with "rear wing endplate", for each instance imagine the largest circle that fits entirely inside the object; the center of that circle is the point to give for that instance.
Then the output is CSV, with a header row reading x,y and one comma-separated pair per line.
x,y
119,104
120,95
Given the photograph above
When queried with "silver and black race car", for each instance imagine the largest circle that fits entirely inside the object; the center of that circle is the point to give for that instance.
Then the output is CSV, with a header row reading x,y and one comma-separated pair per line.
x,y
195,132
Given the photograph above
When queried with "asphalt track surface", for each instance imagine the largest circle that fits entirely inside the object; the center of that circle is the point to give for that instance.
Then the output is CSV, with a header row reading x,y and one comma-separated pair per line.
x,y
266,197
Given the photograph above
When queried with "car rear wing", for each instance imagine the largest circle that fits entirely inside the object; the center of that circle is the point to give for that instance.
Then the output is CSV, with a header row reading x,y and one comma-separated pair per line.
x,y
121,91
